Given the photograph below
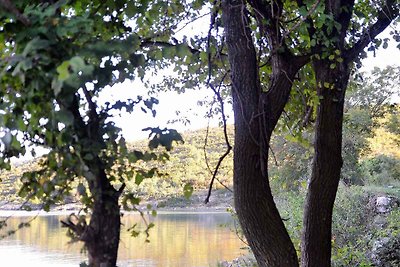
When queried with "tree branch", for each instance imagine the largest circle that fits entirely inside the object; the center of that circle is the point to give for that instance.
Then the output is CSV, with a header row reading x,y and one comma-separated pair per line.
x,y
388,13
294,27
220,101
10,7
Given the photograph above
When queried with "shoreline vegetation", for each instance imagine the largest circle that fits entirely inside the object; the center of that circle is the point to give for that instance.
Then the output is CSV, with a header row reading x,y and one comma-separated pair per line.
x,y
221,201
367,202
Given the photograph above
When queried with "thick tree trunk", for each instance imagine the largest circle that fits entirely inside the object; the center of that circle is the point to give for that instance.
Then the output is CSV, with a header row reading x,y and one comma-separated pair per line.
x,y
102,244
102,235
317,223
256,210
256,115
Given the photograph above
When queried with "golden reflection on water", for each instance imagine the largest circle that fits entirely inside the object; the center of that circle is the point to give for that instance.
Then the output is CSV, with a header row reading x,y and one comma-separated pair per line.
x,y
176,240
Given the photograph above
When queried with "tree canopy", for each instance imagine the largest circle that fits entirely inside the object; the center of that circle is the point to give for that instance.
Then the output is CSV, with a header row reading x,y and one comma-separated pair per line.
x,y
58,56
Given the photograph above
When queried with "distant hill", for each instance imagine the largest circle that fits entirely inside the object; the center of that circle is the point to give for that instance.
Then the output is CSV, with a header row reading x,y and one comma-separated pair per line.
x,y
187,164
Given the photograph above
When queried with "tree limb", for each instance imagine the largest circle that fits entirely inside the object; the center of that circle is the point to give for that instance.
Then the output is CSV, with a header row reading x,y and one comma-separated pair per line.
x,y
10,7
390,11
299,22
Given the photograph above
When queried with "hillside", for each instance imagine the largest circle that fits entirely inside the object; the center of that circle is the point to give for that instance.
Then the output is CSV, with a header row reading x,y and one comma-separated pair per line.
x,y
187,164
289,167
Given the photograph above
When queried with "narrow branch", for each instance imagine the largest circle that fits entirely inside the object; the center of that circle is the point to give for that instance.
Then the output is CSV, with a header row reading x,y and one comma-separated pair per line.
x,y
205,150
220,101
121,190
150,43
228,145
312,9
273,155
92,105
10,7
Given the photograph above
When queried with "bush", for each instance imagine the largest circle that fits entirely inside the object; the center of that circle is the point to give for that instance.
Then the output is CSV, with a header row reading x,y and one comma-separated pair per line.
x,y
382,170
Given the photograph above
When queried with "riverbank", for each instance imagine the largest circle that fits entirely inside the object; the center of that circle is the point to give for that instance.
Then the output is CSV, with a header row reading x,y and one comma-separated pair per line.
x,y
220,201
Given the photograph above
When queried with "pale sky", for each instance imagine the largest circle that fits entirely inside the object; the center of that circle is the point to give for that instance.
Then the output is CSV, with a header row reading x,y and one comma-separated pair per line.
x,y
171,102
186,103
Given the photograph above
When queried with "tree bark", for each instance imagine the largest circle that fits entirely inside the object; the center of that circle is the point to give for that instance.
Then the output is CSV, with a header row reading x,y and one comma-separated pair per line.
x,y
102,235
256,115
257,112
104,231
317,222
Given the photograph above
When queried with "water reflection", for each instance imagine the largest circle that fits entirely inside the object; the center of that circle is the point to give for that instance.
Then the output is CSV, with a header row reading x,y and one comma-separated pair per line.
x,y
176,240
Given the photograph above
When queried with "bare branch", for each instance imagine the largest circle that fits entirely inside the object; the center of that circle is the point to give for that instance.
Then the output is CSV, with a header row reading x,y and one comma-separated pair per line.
x,y
220,101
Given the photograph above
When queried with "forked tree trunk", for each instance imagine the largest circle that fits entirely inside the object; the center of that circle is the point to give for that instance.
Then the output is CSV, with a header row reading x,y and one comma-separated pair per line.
x,y
256,115
257,112
101,236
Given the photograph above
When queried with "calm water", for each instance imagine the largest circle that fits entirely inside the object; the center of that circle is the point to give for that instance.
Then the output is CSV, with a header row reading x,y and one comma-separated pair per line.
x,y
177,240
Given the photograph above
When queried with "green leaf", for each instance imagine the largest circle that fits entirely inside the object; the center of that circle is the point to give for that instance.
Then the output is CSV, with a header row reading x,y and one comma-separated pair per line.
x,y
34,45
77,63
138,178
188,190
63,71
65,117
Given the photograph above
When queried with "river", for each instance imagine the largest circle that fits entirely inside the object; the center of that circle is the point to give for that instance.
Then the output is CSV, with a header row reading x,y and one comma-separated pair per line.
x,y
178,239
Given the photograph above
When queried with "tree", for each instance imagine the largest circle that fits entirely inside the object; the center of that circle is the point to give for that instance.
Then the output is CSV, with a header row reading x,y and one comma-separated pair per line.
x,y
367,99
285,36
56,58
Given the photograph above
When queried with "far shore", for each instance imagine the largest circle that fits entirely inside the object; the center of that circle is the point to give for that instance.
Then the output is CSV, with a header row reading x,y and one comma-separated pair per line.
x,y
220,202
24,213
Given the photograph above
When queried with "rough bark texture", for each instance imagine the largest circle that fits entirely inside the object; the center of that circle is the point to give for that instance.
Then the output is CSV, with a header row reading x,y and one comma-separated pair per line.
x,y
332,83
101,236
103,231
256,115
257,111
317,223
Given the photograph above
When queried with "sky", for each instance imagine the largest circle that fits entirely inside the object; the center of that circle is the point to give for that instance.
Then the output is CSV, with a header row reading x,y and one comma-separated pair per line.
x,y
186,103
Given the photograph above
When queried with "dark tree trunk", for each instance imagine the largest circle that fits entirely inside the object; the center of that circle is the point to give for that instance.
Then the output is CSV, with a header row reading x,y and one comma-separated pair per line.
x,y
257,111
332,78
103,232
256,115
102,244
317,223
101,236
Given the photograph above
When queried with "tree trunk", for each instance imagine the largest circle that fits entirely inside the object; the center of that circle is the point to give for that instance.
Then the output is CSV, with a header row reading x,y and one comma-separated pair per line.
x,y
317,223
104,230
256,115
256,210
102,235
